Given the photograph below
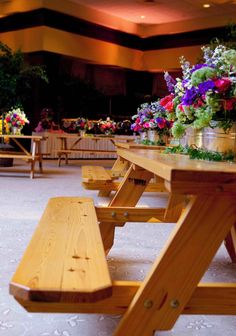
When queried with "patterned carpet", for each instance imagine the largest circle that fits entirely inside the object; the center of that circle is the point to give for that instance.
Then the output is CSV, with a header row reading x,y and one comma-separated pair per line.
x,y
136,245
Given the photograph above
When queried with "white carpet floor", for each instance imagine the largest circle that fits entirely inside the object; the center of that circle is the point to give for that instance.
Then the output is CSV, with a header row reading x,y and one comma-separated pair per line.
x,y
136,245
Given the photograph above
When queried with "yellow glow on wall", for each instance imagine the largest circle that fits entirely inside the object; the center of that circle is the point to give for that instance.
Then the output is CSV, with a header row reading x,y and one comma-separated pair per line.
x,y
168,59
53,40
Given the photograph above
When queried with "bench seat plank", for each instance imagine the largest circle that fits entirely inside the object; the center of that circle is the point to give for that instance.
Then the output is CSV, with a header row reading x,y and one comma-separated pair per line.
x,y
65,260
95,173
83,150
19,156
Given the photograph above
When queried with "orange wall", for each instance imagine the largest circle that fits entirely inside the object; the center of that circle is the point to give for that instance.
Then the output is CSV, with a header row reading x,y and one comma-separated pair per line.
x,y
92,50
168,59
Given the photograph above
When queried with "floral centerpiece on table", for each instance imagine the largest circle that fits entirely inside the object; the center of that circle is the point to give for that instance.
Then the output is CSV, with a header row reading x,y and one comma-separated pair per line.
x,y
155,116
16,119
81,124
144,119
123,127
107,126
206,94
46,120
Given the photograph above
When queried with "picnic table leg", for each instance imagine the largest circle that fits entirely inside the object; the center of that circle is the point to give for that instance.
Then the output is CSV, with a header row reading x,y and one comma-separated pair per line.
x,y
32,169
230,243
117,170
128,194
174,208
177,271
39,153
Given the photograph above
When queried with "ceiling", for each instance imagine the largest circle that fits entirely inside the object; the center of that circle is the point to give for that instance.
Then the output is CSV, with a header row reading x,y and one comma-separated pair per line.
x,y
161,11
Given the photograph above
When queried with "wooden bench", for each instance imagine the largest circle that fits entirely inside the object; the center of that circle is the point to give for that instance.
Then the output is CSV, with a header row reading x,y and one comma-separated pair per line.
x,y
65,260
105,181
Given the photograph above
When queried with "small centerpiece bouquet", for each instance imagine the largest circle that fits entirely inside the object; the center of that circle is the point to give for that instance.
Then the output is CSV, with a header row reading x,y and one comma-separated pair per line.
x,y
16,119
206,94
81,124
107,126
155,116
46,120
123,127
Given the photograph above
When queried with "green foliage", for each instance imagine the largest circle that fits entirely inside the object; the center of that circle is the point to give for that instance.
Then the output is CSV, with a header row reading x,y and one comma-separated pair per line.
x,y
202,75
178,130
16,77
200,153
159,142
176,150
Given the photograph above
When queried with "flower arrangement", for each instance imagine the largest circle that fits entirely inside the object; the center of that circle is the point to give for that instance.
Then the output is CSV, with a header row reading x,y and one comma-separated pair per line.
x,y
107,126
206,94
16,118
46,120
81,124
154,116
4,127
90,125
123,127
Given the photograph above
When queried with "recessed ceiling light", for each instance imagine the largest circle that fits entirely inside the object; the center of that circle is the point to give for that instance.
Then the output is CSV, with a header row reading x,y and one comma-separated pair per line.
x,y
206,5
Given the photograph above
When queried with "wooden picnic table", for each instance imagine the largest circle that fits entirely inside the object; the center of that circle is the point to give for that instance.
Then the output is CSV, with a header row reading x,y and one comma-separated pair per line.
x,y
172,286
202,204
30,156
66,149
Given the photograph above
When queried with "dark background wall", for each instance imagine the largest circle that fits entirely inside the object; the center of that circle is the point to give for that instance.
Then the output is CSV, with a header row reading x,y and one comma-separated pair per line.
x,y
77,88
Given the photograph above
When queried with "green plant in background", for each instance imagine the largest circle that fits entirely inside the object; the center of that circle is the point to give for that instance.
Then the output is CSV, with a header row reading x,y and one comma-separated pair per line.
x,y
16,78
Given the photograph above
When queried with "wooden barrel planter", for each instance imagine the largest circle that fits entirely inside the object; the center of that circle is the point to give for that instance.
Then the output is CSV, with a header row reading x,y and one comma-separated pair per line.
x,y
213,139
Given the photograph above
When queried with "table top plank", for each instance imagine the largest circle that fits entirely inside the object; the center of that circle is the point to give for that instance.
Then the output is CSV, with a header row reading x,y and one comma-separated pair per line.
x,y
134,145
15,136
184,174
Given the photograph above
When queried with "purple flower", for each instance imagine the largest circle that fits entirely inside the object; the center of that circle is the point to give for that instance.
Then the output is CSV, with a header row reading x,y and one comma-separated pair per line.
x,y
185,82
170,82
189,96
161,122
205,86
199,66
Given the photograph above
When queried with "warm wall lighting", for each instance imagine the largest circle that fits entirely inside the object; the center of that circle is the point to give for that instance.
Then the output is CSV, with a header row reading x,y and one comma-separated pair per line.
x,y
206,5
142,16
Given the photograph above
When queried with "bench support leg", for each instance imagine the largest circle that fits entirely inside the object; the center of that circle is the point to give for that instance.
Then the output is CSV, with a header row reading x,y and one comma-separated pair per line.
x,y
168,287
128,194
32,169
230,243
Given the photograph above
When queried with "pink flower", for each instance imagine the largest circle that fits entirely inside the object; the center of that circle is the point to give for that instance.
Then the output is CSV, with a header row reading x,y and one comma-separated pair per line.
x,y
222,84
229,104
180,107
161,123
198,103
164,101
169,106
146,125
